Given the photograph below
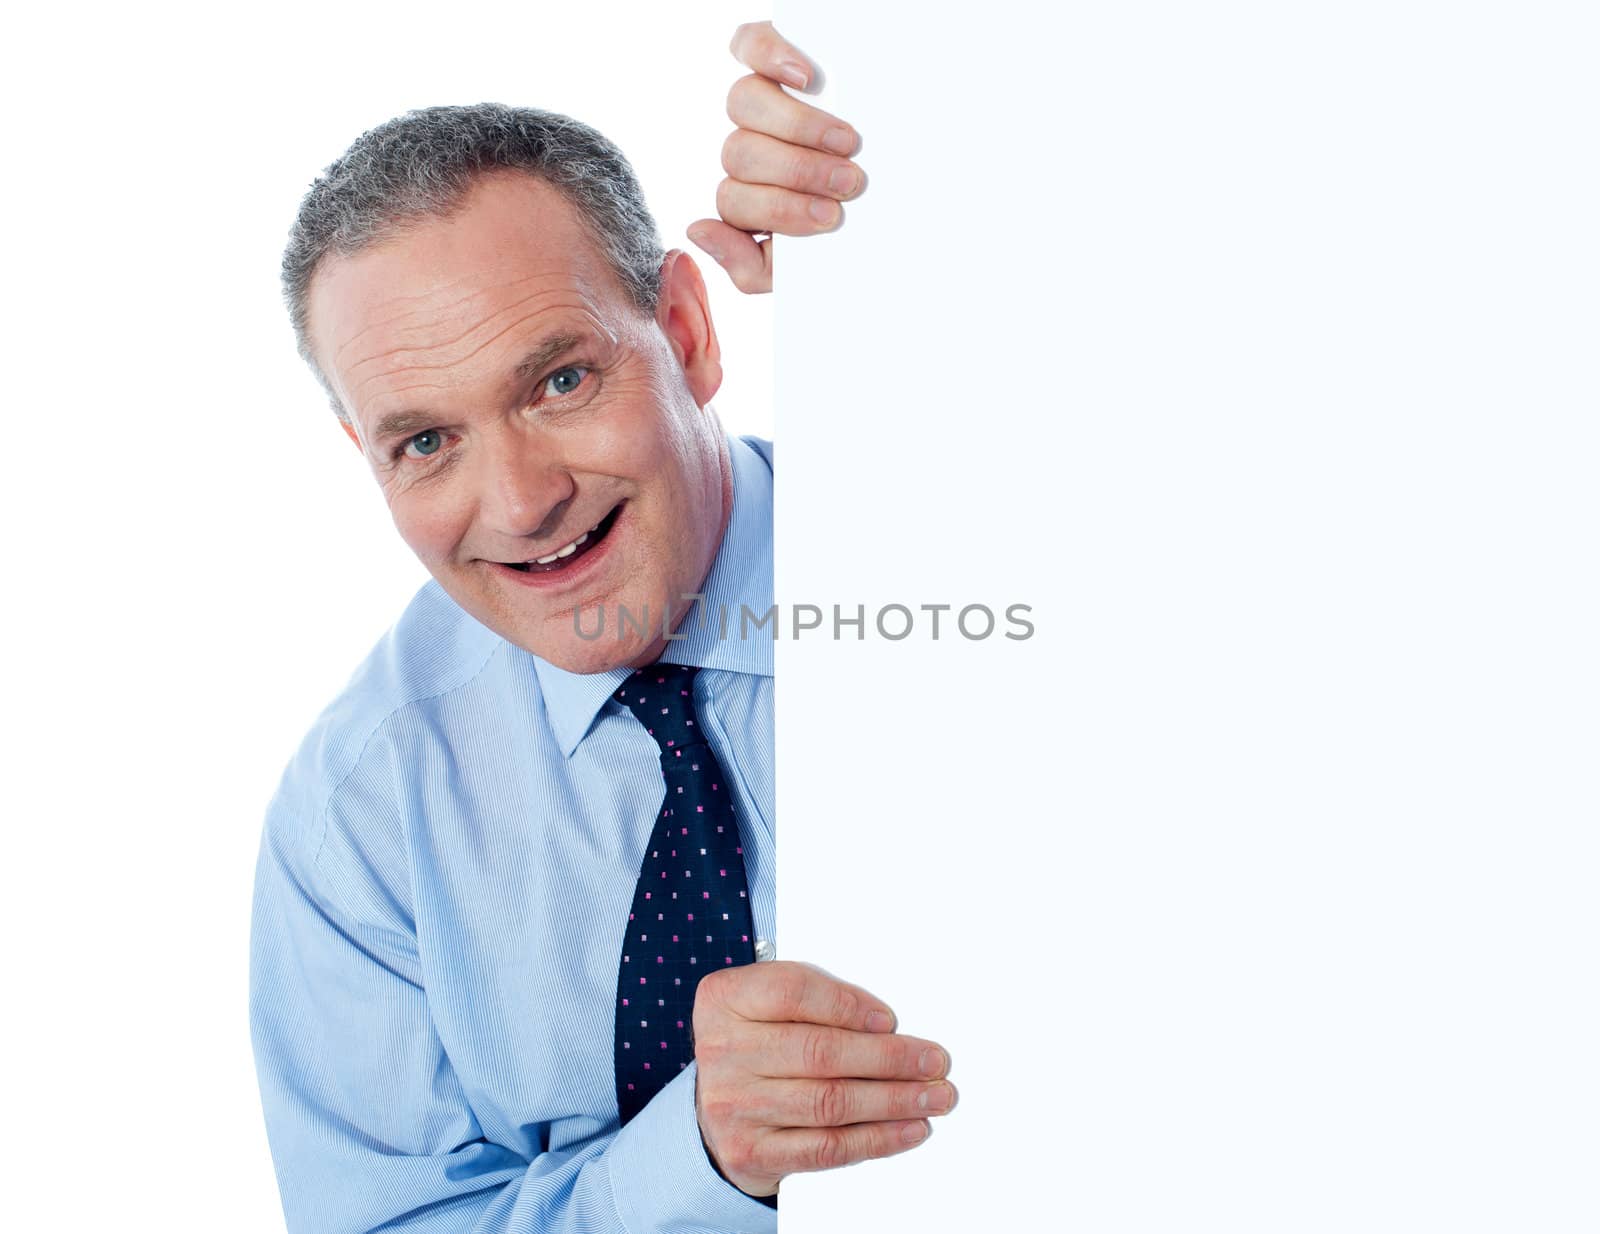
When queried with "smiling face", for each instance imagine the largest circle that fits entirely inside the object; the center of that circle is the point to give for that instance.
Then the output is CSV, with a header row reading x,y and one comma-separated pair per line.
x,y
543,443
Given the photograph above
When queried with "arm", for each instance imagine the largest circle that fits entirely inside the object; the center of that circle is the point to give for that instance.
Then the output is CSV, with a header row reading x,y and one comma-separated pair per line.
x,y
368,1124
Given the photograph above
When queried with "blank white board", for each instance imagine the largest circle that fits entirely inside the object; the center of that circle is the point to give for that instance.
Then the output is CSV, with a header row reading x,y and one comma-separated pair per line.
x,y
1252,346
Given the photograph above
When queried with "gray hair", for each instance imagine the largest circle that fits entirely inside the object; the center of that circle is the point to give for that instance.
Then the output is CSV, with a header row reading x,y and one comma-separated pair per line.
x,y
421,165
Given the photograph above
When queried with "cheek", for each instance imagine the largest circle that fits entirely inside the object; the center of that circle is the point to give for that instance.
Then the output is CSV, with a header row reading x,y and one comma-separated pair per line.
x,y
632,433
671,438
429,522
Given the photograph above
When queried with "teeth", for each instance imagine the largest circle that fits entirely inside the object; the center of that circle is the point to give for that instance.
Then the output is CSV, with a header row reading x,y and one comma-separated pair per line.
x,y
567,550
564,551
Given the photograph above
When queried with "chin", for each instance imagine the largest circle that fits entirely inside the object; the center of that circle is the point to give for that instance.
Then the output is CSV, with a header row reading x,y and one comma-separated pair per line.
x,y
557,642
591,643
598,656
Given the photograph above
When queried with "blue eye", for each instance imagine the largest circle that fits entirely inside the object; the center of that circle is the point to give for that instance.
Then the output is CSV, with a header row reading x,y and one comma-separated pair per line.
x,y
426,442
565,380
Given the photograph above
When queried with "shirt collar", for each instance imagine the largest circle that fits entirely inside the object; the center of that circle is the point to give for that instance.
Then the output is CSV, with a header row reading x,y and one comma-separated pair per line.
x,y
741,574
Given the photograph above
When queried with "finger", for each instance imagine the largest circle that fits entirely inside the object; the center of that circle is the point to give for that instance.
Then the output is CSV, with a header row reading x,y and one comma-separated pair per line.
x,y
747,261
759,104
782,992
756,158
821,1051
758,46
839,1102
828,1148
761,207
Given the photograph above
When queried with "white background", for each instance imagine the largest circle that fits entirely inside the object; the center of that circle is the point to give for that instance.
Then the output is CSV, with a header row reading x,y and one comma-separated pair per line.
x,y
198,558
1253,348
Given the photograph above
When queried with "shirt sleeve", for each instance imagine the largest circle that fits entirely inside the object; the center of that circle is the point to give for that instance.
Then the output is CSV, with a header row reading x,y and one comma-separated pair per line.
x,y
370,1127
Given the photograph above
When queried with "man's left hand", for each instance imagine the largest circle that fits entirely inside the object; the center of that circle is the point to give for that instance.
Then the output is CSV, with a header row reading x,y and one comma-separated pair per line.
x,y
788,163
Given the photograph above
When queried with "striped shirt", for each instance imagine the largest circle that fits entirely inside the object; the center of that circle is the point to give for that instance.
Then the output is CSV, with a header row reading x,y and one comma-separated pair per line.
x,y
441,895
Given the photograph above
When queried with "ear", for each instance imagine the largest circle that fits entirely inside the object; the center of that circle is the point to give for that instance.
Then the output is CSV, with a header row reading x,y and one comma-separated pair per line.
x,y
685,318
350,432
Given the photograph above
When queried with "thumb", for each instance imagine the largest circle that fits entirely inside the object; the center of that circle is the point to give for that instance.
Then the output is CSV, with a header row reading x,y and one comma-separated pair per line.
x,y
747,261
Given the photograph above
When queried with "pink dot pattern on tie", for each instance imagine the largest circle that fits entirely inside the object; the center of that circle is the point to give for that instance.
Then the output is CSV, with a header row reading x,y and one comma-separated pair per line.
x,y
705,857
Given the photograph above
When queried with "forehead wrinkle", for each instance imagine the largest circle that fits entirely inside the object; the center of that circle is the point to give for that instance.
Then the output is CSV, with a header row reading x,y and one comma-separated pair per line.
x,y
448,363
543,350
397,423
444,343
415,304
451,363
393,302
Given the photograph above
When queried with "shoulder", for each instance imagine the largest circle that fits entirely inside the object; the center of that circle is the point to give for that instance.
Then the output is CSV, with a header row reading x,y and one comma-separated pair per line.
x,y
431,652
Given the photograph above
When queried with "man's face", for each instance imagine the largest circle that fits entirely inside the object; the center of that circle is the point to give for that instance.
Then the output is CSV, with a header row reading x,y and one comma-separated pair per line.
x,y
513,402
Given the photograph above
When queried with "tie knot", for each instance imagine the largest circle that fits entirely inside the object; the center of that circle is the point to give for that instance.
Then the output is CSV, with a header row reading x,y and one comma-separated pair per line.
x,y
662,697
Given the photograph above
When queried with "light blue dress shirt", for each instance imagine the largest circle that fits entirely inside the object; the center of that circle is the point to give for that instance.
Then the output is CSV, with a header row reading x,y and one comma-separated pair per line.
x,y
444,881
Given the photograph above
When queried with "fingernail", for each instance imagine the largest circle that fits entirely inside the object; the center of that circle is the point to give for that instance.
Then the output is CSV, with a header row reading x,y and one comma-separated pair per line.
x,y
794,75
844,181
914,1133
879,1021
936,1098
824,212
932,1062
840,141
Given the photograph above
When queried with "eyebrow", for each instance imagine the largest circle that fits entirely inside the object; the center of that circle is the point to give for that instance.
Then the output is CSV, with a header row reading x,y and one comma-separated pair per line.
x,y
411,421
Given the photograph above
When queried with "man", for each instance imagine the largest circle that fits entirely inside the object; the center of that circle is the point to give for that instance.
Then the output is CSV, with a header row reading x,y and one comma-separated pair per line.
x,y
501,969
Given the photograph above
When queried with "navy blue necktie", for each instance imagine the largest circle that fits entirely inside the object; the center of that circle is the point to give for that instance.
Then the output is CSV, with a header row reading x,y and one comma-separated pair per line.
x,y
691,908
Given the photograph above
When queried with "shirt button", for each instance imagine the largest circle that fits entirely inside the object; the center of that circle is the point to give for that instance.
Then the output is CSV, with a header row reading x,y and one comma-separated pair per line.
x,y
765,950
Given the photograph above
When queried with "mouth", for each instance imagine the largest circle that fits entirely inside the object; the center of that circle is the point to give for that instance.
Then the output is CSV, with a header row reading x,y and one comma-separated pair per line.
x,y
567,555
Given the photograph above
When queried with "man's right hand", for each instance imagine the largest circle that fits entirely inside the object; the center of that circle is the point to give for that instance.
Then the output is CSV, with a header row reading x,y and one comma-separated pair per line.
x,y
801,1071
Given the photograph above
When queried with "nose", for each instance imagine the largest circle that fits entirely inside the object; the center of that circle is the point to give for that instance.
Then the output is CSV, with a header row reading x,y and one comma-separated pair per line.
x,y
524,491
